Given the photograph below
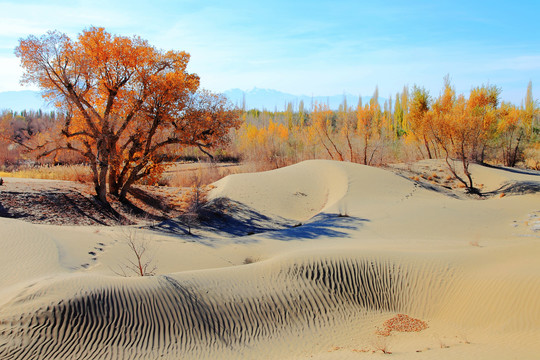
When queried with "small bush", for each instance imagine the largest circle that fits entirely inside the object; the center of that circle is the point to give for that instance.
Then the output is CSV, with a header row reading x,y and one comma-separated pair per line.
x,y
251,260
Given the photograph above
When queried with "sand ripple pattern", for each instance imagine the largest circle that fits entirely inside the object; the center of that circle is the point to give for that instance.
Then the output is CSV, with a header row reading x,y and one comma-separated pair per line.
x,y
225,313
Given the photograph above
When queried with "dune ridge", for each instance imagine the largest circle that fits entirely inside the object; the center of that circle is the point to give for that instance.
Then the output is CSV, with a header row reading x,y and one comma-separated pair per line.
x,y
368,245
203,315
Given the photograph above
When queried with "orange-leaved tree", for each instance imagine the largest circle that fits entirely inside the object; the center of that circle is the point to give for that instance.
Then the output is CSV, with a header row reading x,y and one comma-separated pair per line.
x,y
323,121
419,117
462,127
511,132
368,126
126,103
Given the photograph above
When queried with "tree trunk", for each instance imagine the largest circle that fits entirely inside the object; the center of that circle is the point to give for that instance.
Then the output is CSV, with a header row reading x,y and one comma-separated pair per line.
x,y
125,188
426,144
366,144
103,164
101,188
114,186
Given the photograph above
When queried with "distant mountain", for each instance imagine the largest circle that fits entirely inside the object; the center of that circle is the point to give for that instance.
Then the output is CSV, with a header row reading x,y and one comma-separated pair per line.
x,y
272,99
23,100
254,99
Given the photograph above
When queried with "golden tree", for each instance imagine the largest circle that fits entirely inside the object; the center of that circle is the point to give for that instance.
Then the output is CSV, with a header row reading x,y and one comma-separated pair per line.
x,y
125,102
511,132
420,118
462,127
369,126
322,121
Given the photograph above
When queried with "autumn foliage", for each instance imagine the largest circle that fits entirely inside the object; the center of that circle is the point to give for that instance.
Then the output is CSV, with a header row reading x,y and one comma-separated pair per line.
x,y
126,105
461,129
127,109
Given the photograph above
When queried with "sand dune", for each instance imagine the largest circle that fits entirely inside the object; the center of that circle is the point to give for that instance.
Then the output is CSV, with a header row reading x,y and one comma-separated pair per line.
x,y
206,313
468,268
26,254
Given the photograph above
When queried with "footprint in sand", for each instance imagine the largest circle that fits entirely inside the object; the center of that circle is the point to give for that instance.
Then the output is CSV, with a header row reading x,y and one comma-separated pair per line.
x,y
99,248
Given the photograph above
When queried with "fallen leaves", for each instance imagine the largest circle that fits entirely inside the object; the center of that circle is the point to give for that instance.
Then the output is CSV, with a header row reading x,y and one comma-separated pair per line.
x,y
402,323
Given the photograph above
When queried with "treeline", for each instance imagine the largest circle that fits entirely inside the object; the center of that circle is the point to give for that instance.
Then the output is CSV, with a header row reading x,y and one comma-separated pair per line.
x,y
416,125
413,125
21,131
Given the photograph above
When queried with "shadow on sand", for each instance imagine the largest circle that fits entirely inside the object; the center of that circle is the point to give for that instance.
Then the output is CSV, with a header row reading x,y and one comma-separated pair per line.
x,y
230,219
517,188
322,225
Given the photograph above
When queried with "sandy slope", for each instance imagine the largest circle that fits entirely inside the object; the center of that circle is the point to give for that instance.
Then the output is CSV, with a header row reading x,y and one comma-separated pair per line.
x,y
468,267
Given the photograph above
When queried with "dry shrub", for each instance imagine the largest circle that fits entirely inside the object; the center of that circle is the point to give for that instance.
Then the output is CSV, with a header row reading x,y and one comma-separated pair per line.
x,y
191,203
532,157
251,260
381,344
140,262
204,174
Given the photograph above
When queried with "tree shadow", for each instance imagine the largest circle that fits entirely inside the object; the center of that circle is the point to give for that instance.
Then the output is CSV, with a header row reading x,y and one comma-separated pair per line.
x,y
226,218
46,205
517,188
322,225
513,170
439,188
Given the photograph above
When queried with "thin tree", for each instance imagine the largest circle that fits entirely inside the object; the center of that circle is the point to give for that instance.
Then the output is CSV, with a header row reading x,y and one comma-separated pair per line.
x,y
461,127
511,133
420,119
368,126
140,262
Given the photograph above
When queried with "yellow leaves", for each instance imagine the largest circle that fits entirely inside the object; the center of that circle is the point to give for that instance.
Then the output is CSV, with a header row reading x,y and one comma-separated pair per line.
x,y
277,130
321,116
509,117
253,136
251,131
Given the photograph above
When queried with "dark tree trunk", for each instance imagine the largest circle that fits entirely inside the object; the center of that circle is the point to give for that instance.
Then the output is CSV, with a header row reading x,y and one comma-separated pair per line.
x,y
426,144
103,169
125,188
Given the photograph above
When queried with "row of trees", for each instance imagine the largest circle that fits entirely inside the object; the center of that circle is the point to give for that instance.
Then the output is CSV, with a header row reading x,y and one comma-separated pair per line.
x,y
476,128
464,129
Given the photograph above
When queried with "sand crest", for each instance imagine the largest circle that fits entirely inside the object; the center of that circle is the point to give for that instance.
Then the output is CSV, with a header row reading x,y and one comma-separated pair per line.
x,y
362,246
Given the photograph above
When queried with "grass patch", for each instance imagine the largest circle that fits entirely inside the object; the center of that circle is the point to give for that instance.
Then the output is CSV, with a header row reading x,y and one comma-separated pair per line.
x,y
80,173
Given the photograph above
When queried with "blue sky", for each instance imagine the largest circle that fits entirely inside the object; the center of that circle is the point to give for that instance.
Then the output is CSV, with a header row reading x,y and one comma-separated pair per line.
x,y
311,47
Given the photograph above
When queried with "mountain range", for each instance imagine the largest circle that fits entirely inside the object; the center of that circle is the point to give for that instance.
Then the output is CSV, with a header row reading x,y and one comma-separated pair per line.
x,y
276,100
262,99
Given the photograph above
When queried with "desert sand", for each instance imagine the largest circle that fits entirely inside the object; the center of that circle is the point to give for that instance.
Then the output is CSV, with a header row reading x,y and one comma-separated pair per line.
x,y
306,262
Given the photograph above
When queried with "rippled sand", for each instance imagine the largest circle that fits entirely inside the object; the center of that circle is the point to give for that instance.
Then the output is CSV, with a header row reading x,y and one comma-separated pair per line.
x,y
358,246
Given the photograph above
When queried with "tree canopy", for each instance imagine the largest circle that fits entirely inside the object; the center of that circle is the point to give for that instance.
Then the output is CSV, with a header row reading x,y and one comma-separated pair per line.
x,y
125,103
